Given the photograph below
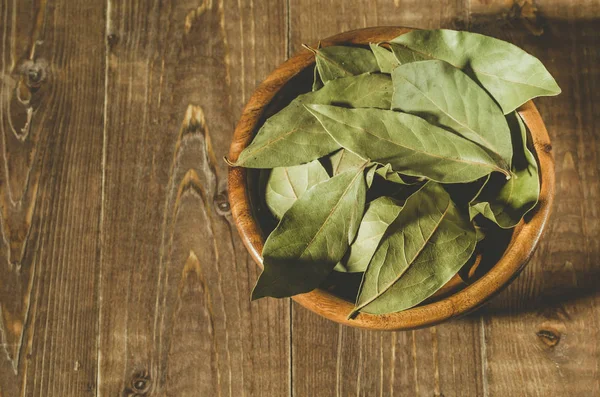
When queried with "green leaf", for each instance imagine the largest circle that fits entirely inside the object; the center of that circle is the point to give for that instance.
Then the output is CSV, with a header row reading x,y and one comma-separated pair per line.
x,y
447,97
406,55
312,237
344,160
479,232
293,136
287,184
335,62
506,202
387,173
385,59
508,73
378,216
317,83
422,249
370,174
410,144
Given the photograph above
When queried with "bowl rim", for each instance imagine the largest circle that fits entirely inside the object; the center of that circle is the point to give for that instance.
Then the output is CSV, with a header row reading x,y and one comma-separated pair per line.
x,y
525,239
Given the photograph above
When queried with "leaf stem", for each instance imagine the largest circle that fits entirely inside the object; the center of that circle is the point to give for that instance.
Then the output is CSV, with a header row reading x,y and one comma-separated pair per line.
x,y
353,314
310,48
228,162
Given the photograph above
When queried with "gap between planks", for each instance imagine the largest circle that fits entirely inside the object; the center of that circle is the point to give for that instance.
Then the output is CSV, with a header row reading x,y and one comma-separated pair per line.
x,y
102,194
288,33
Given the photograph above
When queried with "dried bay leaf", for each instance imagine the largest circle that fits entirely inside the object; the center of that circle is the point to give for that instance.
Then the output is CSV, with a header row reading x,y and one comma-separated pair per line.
x,y
378,216
370,174
408,143
344,160
385,58
313,236
293,136
287,184
506,202
406,55
423,248
463,194
509,74
386,172
378,189
334,62
447,97
382,187
317,83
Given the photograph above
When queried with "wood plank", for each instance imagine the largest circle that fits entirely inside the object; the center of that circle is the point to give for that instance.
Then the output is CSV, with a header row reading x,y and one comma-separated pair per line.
x,y
335,360
176,318
332,360
312,20
51,122
543,333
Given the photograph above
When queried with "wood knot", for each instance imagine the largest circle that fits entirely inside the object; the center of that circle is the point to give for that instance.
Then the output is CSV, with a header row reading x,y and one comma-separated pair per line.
x,y
140,385
222,203
194,121
546,147
550,337
112,40
34,72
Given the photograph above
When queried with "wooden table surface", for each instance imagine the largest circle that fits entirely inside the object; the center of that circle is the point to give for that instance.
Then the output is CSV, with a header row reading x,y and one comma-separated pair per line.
x,y
122,274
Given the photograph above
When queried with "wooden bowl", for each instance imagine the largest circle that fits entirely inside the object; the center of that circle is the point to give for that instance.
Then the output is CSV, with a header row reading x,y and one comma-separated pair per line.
x,y
520,248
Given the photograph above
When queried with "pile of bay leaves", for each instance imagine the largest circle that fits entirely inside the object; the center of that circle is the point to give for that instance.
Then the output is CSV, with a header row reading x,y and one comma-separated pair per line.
x,y
388,165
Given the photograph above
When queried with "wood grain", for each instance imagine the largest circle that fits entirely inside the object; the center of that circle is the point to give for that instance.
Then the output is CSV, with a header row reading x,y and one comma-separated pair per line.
x,y
175,314
313,20
121,274
334,360
50,196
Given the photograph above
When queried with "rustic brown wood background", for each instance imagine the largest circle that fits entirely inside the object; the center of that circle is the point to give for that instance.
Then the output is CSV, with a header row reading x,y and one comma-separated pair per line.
x,y
121,273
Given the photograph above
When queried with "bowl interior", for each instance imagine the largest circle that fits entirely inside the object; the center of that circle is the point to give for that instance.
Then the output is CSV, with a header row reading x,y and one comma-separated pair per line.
x,y
346,285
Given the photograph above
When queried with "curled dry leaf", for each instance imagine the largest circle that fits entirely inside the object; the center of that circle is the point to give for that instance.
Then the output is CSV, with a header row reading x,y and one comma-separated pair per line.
x,y
317,83
386,172
506,202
